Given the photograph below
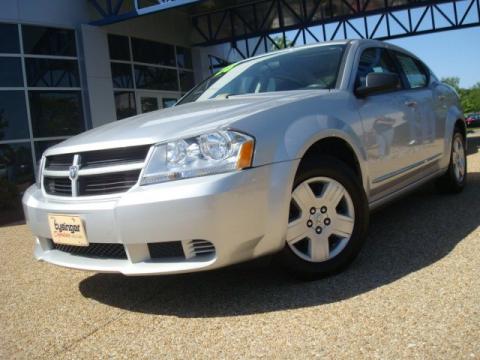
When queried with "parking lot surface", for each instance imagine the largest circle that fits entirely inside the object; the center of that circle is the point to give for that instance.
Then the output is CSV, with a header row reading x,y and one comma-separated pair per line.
x,y
414,292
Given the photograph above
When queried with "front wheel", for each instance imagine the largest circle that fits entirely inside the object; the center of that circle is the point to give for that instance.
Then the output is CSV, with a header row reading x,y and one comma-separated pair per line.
x,y
328,219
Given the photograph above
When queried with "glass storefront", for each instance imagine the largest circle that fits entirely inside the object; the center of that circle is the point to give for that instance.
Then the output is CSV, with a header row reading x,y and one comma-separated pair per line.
x,y
41,98
147,75
41,104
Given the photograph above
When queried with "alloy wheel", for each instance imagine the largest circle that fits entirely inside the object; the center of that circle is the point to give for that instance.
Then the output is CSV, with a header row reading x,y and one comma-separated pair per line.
x,y
322,219
458,158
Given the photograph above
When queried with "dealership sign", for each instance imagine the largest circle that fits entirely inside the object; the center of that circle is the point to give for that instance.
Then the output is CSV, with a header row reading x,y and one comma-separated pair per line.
x,y
149,6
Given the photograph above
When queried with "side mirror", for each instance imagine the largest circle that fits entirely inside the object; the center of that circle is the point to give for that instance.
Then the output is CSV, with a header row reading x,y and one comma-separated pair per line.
x,y
378,82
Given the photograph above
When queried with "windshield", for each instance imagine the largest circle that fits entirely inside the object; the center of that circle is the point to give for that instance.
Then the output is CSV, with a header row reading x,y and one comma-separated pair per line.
x,y
300,69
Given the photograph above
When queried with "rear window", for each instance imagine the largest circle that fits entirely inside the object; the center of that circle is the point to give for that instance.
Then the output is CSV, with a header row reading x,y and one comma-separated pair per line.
x,y
416,74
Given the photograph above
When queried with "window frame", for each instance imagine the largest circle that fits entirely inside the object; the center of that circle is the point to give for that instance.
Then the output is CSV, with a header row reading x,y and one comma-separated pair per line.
x,y
23,56
386,50
178,93
417,62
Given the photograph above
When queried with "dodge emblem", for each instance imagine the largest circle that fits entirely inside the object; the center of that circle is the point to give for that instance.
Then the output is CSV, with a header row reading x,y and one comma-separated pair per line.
x,y
73,172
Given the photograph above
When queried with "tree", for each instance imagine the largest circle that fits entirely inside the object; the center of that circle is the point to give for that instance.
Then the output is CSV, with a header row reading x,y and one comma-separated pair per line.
x,y
281,43
453,81
469,98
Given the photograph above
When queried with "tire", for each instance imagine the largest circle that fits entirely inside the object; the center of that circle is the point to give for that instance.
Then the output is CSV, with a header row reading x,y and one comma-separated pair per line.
x,y
455,179
338,231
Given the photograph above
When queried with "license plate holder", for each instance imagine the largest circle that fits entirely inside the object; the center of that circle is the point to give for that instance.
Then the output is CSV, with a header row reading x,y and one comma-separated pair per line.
x,y
67,230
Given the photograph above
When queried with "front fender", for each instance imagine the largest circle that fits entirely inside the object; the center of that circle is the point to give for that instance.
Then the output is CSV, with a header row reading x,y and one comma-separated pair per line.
x,y
287,131
301,135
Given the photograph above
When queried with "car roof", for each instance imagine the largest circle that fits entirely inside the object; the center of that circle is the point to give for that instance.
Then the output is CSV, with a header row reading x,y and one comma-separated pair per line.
x,y
359,42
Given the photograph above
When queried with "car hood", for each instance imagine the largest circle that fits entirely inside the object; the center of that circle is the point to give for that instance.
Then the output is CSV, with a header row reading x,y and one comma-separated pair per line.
x,y
178,122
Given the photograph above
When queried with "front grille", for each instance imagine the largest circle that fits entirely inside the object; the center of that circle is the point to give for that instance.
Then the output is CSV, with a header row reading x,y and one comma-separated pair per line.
x,y
112,157
59,162
171,249
94,250
58,186
99,172
107,184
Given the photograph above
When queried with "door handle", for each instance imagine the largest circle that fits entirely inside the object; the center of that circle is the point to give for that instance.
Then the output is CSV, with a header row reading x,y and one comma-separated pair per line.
x,y
411,103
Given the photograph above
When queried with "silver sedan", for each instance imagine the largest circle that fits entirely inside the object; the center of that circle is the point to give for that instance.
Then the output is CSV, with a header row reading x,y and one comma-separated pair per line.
x,y
283,154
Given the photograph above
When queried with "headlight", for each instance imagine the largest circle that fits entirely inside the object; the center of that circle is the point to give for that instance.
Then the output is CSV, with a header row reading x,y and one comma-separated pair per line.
x,y
211,153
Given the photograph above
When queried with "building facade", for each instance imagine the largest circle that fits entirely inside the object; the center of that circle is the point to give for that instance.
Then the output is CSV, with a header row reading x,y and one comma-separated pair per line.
x,y
60,76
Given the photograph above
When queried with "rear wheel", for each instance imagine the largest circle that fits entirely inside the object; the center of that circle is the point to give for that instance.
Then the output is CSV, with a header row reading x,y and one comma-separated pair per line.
x,y
455,178
328,219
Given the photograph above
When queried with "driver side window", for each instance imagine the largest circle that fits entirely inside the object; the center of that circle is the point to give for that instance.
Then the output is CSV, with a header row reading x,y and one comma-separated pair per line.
x,y
374,60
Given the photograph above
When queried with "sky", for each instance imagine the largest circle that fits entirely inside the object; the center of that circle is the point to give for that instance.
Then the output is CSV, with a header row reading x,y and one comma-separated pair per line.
x,y
448,53
451,53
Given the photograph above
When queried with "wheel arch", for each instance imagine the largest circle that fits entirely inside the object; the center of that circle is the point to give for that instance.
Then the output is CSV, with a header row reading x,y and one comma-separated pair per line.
x,y
454,120
460,125
338,147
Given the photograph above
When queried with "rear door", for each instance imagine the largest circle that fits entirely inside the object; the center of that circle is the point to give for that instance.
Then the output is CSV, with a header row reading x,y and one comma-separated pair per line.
x,y
427,108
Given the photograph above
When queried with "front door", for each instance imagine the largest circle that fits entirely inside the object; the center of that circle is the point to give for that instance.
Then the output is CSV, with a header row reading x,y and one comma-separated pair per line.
x,y
386,119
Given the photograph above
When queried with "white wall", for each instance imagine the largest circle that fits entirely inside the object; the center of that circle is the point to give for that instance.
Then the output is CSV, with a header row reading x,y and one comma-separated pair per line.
x,y
98,76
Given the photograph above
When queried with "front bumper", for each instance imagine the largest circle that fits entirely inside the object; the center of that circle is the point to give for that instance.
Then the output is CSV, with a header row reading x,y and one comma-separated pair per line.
x,y
243,214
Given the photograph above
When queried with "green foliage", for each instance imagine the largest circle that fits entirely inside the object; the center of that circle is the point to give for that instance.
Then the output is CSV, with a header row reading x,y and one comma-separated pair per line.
x,y
469,98
453,81
281,43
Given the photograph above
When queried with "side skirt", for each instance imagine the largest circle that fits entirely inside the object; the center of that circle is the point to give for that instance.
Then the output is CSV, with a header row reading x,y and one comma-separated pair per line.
x,y
404,190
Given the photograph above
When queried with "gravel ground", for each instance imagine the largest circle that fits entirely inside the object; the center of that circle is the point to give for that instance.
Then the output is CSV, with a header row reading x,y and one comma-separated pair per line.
x,y
413,293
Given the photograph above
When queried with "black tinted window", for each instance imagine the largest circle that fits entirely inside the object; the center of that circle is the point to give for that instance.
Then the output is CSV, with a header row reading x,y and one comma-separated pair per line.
x,y
11,72
56,113
416,74
118,47
41,40
52,73
184,57
152,52
154,78
13,115
9,43
122,75
41,146
16,164
187,80
125,104
16,174
374,60
148,103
